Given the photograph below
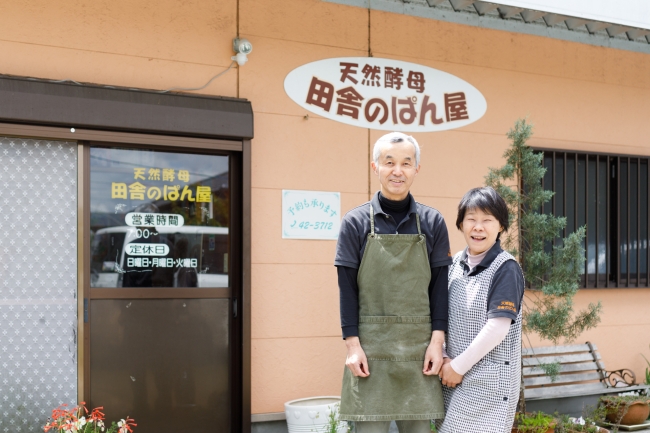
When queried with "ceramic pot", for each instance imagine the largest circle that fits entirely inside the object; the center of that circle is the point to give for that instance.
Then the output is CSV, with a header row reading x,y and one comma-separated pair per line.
x,y
312,414
637,413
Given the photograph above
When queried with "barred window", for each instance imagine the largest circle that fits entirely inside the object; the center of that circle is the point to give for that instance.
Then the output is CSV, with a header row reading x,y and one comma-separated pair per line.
x,y
608,194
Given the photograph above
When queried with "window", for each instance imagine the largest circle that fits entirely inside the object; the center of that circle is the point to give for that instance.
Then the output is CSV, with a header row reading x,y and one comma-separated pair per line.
x,y
38,264
608,194
159,219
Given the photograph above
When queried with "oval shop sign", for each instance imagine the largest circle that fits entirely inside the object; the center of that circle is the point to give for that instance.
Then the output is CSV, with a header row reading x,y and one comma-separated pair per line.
x,y
387,94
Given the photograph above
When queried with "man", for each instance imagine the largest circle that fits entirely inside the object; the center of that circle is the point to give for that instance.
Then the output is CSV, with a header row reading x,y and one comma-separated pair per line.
x,y
392,259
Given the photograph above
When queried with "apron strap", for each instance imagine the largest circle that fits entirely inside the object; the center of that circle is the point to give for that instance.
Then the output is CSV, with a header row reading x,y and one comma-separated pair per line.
x,y
417,221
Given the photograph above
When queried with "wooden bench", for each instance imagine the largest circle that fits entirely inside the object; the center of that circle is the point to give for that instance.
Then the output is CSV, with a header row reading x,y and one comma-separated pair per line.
x,y
581,380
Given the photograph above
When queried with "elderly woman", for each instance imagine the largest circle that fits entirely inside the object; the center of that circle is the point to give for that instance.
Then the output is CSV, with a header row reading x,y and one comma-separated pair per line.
x,y
482,372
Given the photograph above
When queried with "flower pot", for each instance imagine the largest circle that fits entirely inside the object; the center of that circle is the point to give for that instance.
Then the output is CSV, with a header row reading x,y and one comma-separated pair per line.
x,y
313,415
637,413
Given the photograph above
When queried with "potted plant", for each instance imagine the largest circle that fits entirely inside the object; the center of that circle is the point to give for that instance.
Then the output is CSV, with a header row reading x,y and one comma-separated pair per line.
x,y
588,424
626,409
79,420
579,425
320,414
537,422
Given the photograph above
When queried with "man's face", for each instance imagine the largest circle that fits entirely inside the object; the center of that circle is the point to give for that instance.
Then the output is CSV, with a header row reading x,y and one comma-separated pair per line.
x,y
396,169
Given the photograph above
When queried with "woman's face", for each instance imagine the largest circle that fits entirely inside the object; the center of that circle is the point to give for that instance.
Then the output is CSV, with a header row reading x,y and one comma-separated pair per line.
x,y
480,230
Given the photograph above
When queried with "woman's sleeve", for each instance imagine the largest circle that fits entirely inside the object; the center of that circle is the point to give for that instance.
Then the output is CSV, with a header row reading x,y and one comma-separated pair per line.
x,y
506,292
493,333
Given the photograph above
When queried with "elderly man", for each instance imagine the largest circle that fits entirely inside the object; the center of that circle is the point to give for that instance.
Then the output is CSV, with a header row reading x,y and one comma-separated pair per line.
x,y
392,259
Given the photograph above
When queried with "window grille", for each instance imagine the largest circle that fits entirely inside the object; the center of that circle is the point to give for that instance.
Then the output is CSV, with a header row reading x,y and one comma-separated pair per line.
x,y
608,194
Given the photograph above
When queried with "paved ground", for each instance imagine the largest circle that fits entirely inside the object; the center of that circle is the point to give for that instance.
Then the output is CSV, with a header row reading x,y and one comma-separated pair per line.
x,y
281,427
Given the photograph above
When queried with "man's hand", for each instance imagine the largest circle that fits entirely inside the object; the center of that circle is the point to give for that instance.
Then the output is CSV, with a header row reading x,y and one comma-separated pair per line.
x,y
433,355
449,377
356,360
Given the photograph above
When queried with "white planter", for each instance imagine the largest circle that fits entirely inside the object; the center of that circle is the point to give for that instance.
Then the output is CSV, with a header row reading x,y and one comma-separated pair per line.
x,y
311,415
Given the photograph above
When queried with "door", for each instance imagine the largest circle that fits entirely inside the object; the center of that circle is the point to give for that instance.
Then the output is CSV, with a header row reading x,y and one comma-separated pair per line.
x,y
164,266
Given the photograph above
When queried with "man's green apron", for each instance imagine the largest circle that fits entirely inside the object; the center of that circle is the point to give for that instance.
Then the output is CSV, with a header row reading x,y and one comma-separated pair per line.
x,y
394,331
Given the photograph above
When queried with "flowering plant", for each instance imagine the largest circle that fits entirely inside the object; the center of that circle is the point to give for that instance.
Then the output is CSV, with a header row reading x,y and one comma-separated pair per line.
x,y
79,420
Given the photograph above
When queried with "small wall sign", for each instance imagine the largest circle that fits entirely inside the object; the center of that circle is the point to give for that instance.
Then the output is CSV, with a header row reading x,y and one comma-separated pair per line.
x,y
311,214
386,94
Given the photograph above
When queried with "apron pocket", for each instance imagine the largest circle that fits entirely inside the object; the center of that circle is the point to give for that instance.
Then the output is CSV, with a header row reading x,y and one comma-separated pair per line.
x,y
395,338
484,375
478,392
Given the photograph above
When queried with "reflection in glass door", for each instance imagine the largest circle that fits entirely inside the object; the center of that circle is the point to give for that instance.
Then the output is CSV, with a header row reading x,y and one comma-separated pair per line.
x,y
160,351
158,219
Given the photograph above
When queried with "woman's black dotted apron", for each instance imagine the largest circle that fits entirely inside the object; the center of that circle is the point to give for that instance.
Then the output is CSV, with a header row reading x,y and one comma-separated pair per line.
x,y
486,400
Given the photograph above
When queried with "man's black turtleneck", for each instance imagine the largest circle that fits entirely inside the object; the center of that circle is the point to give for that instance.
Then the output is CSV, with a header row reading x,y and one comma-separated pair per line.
x,y
398,209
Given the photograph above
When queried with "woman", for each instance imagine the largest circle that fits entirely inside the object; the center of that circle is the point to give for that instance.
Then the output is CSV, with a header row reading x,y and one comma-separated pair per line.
x,y
482,372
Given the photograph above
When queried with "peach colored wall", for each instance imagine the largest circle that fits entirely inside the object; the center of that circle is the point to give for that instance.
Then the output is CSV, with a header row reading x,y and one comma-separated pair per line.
x,y
579,97
576,95
297,348
153,44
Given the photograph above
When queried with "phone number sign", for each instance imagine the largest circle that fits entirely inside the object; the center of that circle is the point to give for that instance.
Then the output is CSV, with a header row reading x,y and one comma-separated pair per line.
x,y
311,214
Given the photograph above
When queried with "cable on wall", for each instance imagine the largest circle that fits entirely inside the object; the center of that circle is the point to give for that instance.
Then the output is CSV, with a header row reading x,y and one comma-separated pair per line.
x,y
202,87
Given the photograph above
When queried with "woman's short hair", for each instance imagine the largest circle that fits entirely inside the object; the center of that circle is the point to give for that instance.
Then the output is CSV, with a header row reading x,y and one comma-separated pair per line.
x,y
487,200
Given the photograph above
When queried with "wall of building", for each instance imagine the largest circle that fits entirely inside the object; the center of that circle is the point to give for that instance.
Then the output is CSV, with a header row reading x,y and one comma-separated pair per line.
x,y
579,97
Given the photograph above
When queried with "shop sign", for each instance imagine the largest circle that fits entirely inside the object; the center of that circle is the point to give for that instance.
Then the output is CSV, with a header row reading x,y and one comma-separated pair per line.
x,y
385,94
311,214
159,185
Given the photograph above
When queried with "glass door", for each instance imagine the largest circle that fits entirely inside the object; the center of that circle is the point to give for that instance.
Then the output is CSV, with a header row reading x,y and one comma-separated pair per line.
x,y
162,299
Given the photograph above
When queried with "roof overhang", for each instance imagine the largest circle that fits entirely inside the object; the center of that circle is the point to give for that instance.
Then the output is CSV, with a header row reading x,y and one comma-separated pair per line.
x,y
621,24
628,18
634,14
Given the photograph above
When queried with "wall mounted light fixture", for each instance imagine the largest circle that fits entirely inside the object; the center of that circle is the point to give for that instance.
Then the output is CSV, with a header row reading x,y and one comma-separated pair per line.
x,y
242,47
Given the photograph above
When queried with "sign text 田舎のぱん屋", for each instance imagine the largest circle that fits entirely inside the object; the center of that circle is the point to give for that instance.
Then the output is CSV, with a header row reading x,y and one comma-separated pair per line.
x,y
385,94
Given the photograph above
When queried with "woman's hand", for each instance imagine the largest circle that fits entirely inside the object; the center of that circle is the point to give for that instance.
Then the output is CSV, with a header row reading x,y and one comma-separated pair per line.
x,y
356,360
449,377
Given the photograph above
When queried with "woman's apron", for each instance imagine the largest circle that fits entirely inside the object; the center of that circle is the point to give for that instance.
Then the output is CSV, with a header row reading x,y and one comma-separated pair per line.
x,y
486,399
394,331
